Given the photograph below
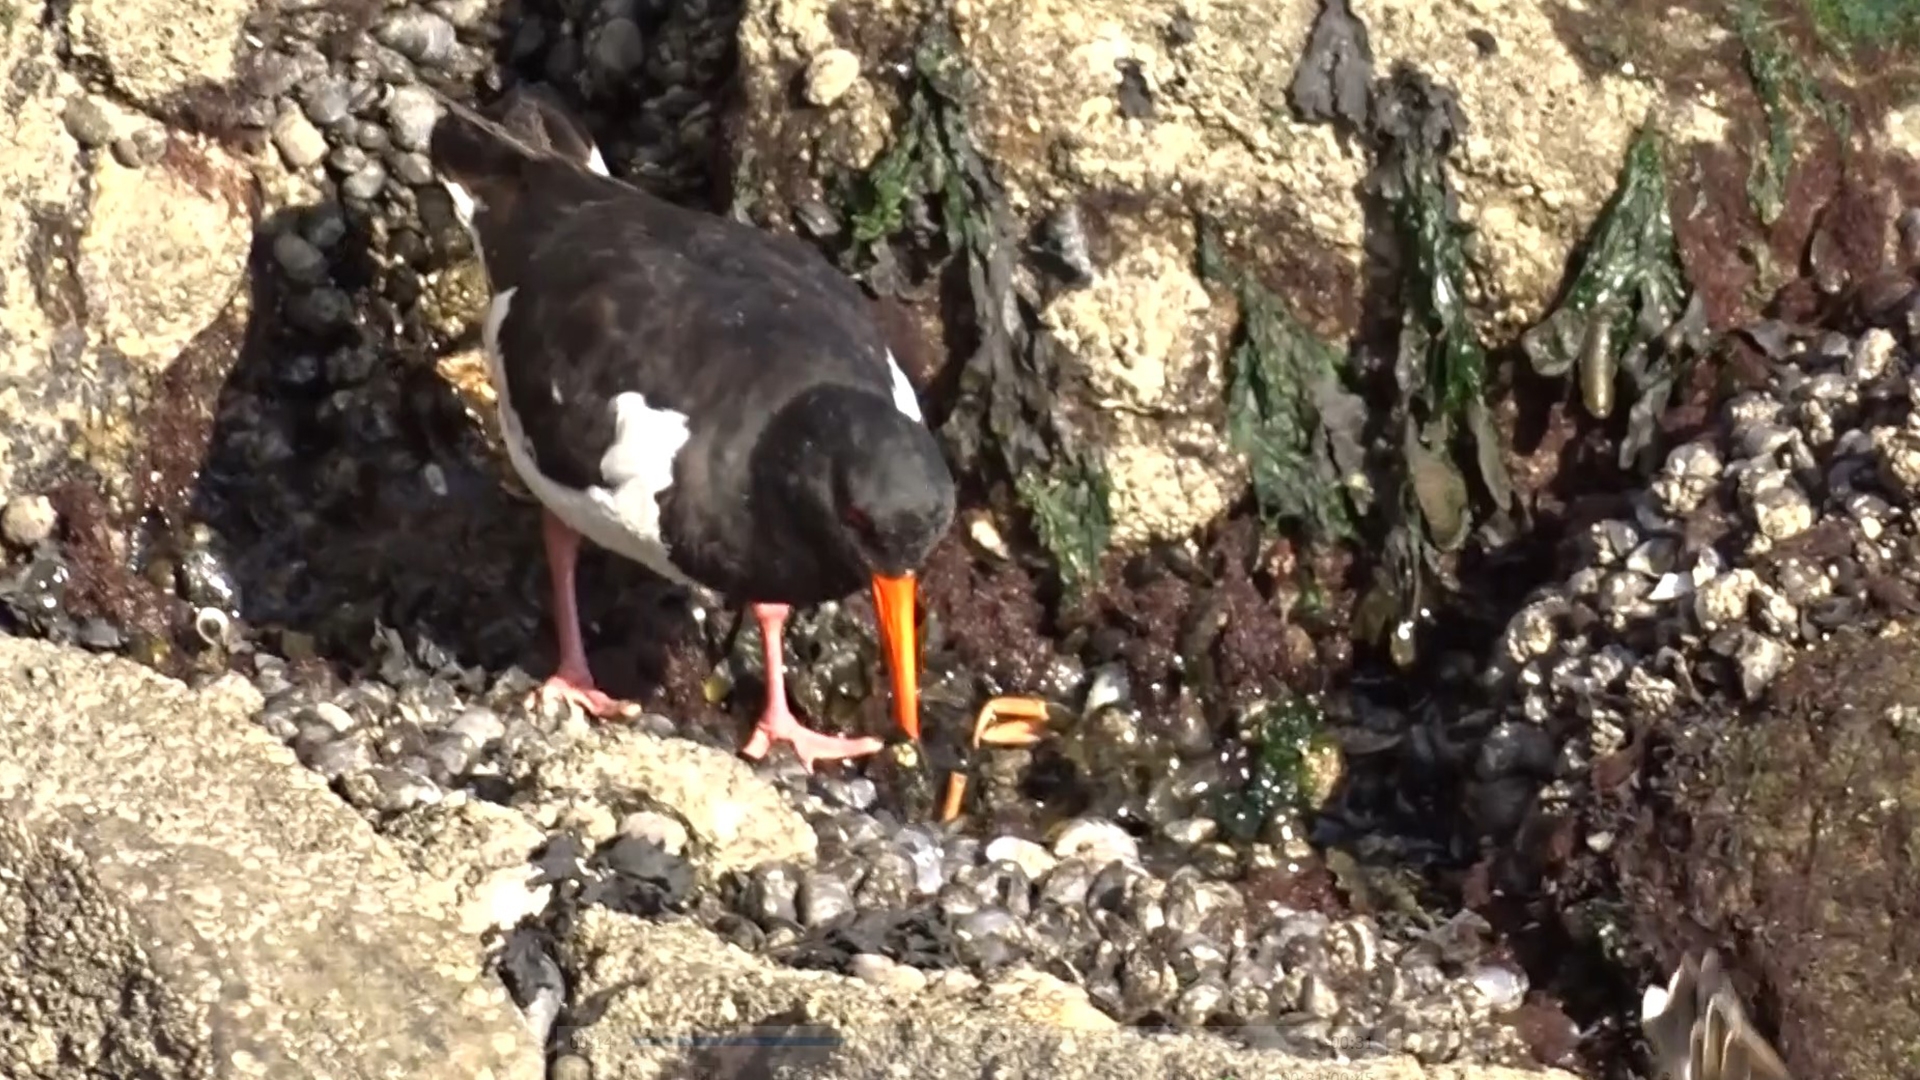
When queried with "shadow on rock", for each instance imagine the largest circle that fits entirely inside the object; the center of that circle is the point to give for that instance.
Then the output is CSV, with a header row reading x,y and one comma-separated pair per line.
x,y
347,489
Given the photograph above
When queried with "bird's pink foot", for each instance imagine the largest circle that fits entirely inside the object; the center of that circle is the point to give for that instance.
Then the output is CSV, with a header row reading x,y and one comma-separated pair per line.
x,y
578,690
778,724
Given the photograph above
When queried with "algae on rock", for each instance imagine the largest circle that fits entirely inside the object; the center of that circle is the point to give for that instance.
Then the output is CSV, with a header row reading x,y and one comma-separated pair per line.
x,y
1006,421
1790,837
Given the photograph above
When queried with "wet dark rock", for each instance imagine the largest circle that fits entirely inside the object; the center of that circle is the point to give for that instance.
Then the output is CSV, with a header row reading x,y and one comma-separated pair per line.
x,y
326,99
299,259
365,183
916,936
616,50
532,975
639,877
772,894
824,897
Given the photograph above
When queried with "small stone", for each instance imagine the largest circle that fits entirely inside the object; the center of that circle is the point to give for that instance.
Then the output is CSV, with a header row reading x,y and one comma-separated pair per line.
x,y
299,259
421,36
617,49
570,1067
1035,861
28,520
1870,356
657,828
1098,842
301,145
1782,512
327,99
479,725
365,183
141,147
887,973
321,311
824,897
88,122
411,114
830,74
415,170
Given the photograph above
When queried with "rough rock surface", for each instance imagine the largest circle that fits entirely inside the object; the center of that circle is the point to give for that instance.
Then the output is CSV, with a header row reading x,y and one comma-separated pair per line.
x,y
179,898
1142,115
1792,841
112,268
838,1028
152,50
735,817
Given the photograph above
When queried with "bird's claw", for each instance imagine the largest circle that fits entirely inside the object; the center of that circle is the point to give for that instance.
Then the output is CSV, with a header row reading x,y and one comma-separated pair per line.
x,y
579,693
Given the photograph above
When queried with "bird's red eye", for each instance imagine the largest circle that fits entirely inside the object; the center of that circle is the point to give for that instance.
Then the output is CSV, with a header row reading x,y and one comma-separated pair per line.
x,y
858,518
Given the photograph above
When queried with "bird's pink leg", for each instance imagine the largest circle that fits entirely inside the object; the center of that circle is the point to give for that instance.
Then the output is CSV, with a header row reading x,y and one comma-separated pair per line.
x,y
777,722
573,683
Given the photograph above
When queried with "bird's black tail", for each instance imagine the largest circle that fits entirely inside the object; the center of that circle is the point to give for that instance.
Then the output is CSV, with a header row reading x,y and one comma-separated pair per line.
x,y
478,151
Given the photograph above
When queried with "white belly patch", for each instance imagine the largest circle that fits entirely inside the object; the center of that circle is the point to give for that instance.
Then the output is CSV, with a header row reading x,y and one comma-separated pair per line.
x,y
622,516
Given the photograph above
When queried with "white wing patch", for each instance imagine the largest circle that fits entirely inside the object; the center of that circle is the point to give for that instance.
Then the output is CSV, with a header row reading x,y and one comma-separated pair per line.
x,y
596,162
624,516
903,395
463,205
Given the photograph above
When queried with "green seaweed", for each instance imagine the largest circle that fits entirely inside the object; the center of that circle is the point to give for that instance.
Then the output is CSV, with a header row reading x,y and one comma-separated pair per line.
x,y
1437,326
1627,292
1771,68
1284,733
1782,82
1290,412
1004,420
1440,366
1844,24
1072,515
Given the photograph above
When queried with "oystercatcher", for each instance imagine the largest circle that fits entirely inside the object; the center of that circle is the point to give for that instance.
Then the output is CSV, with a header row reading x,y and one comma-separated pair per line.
x,y
708,399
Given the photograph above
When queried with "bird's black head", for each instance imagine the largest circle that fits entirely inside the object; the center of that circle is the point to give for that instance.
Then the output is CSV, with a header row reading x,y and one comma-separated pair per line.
x,y
872,479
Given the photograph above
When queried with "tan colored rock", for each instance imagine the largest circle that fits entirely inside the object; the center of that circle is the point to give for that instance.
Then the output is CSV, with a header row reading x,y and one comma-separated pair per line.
x,y
164,250
735,819
153,49
39,302
104,268
830,75
1546,141
180,899
1026,1024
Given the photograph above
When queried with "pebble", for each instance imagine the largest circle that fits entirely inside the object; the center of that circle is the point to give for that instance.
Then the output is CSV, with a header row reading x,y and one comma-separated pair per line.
x,y
299,259
365,183
28,520
411,115
1097,841
830,74
480,724
327,99
424,37
87,121
617,50
1036,861
824,897
668,832
141,147
301,145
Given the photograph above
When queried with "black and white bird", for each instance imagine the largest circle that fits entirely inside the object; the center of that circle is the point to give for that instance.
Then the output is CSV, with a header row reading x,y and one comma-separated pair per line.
x,y
1699,1031
706,398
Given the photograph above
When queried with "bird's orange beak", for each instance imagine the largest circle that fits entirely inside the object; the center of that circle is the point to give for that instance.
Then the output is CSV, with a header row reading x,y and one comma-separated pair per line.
x,y
893,602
